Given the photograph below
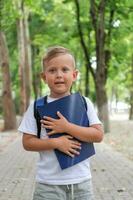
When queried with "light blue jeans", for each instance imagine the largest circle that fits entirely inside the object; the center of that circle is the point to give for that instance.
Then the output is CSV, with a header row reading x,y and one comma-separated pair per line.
x,y
81,191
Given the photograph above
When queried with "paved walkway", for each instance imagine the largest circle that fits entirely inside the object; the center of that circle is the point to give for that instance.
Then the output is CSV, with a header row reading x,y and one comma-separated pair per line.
x,y
112,173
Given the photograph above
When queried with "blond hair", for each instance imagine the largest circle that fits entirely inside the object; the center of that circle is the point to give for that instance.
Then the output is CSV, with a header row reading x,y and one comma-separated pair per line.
x,y
56,51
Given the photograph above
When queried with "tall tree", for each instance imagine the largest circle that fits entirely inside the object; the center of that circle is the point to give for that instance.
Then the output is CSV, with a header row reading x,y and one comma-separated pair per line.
x,y
131,92
85,48
24,57
97,28
98,22
8,105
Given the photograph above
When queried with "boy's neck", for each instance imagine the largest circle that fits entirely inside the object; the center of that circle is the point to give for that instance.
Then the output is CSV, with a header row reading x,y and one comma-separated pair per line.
x,y
59,95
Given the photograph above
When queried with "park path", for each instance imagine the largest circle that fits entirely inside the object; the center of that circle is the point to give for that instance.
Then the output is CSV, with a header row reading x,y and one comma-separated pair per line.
x,y
112,173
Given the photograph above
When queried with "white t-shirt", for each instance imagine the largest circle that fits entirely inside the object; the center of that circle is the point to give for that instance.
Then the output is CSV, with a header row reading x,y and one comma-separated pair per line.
x,y
48,169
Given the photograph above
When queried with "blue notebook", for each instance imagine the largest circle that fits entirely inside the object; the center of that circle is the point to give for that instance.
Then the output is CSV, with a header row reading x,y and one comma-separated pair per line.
x,y
73,108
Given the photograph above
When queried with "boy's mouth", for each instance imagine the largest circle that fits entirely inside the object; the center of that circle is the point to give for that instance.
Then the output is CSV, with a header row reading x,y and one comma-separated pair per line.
x,y
59,82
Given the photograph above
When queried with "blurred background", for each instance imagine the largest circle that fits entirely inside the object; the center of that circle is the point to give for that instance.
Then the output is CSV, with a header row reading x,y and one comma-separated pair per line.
x,y
100,35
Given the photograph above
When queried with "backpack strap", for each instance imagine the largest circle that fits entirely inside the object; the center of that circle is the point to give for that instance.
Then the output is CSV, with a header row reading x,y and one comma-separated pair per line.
x,y
85,103
39,102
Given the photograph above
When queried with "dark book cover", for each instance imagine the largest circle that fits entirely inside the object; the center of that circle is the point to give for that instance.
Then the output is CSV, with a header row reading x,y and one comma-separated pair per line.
x,y
72,107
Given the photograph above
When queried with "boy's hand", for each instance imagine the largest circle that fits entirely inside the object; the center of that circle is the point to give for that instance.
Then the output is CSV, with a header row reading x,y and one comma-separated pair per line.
x,y
56,125
67,145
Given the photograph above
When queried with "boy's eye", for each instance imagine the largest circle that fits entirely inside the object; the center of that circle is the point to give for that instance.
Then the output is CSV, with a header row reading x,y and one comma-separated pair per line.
x,y
52,70
65,69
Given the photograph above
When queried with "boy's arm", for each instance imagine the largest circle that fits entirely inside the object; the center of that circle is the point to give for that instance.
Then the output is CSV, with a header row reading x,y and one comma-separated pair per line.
x,y
32,143
63,143
94,133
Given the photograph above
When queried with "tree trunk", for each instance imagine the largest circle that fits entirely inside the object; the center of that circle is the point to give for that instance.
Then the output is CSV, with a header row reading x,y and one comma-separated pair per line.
x,y
87,83
131,108
97,15
27,47
86,50
102,103
24,58
131,93
36,79
7,100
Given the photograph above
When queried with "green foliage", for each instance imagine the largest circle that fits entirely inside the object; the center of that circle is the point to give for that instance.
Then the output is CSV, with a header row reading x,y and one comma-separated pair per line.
x,y
121,46
53,22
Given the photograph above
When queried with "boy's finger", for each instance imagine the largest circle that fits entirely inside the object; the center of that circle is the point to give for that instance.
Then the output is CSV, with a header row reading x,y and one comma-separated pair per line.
x,y
76,142
75,152
47,126
75,146
51,133
70,154
46,122
69,137
49,118
59,114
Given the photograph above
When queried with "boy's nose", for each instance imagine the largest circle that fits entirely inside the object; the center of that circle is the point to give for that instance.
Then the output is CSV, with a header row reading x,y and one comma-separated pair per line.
x,y
59,73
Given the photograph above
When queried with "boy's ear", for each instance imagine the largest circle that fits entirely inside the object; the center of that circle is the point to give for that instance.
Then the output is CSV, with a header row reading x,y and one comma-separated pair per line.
x,y
75,74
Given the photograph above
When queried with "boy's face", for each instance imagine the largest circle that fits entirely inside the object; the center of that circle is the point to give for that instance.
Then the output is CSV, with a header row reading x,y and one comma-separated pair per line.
x,y
59,74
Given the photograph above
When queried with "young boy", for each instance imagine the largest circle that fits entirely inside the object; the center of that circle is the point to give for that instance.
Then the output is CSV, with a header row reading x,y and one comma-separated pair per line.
x,y
59,73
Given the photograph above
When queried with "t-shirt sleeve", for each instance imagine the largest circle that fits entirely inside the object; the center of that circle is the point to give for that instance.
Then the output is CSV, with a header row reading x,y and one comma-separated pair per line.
x,y
91,112
28,123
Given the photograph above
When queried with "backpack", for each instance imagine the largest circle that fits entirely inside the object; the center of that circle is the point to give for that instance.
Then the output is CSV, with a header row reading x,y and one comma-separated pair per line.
x,y
41,102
